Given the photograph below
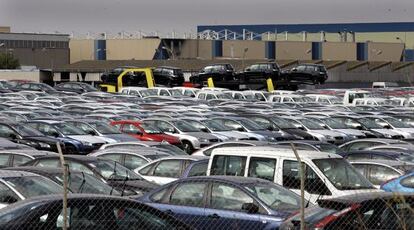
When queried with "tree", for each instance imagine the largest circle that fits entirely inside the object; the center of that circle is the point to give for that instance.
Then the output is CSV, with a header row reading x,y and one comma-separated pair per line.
x,y
8,61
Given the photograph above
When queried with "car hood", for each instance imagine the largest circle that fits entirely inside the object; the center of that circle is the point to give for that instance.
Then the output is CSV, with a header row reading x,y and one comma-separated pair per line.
x,y
87,138
232,134
120,137
327,132
42,139
141,185
299,132
350,132
163,137
201,135
268,133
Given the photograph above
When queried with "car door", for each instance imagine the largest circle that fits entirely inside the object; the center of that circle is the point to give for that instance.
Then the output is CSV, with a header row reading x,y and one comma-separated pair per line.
x,y
224,208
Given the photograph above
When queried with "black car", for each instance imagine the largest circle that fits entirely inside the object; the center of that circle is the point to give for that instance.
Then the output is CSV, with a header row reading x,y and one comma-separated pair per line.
x,y
262,71
23,134
277,123
16,157
378,210
34,86
168,76
85,211
219,72
78,182
314,73
114,174
77,87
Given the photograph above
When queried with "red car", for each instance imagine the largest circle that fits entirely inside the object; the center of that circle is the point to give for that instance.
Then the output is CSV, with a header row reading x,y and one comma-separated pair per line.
x,y
145,132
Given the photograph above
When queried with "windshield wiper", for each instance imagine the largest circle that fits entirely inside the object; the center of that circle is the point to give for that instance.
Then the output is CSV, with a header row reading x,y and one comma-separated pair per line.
x,y
123,184
82,184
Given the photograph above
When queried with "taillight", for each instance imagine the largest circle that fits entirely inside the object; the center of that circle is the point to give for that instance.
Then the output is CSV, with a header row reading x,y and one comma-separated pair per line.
x,y
329,219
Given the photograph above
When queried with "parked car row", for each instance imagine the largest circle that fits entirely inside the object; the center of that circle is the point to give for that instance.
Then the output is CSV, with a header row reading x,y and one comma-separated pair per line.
x,y
187,162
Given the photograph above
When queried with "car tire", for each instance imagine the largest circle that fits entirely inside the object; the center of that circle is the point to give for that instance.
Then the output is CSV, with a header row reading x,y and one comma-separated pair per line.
x,y
188,147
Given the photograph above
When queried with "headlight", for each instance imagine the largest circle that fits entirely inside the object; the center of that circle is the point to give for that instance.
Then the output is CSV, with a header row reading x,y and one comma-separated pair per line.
x,y
203,139
388,135
44,145
87,143
271,139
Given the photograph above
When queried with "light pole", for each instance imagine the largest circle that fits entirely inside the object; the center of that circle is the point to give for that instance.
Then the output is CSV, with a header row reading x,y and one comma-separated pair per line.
x,y
5,51
244,56
403,42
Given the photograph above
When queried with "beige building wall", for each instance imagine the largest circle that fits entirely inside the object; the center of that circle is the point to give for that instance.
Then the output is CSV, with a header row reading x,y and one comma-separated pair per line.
x,y
34,76
205,49
290,50
4,29
235,49
81,49
385,51
193,48
405,37
339,51
138,49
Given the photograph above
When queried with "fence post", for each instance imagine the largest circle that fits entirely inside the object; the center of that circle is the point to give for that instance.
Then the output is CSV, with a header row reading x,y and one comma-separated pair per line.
x,y
302,187
65,186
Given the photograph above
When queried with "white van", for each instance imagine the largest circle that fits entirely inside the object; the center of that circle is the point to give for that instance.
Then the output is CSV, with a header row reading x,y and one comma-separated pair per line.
x,y
383,85
327,175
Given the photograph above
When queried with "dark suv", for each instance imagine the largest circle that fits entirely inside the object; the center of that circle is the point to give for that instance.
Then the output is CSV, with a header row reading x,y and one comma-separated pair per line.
x,y
219,72
309,72
168,76
262,71
76,87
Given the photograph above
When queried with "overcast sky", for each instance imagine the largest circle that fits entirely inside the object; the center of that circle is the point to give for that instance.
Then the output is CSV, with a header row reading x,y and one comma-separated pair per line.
x,y
113,16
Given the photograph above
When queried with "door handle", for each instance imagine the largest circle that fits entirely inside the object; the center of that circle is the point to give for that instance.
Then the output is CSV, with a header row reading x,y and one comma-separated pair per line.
x,y
213,216
169,212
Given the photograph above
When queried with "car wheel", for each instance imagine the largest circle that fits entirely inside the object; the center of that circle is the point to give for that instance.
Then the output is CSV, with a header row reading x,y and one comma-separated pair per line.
x,y
188,147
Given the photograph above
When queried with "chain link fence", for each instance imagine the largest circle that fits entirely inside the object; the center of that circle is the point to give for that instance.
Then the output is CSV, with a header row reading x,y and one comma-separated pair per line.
x,y
59,198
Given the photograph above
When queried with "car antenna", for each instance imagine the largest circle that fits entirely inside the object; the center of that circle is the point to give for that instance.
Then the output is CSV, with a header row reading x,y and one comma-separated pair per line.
x,y
83,183
123,184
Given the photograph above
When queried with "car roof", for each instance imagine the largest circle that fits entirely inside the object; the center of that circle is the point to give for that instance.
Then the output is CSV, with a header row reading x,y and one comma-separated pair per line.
x,y
231,179
30,152
366,196
271,152
380,152
39,170
379,161
13,173
183,157
311,142
75,157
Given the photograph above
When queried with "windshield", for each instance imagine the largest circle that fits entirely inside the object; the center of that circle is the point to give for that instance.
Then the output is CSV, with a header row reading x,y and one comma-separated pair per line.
x,y
215,126
369,123
328,148
184,126
282,123
148,92
30,186
26,131
277,198
406,158
224,96
104,128
176,92
335,124
302,99
250,125
396,123
341,174
150,129
85,183
67,129
311,124
113,171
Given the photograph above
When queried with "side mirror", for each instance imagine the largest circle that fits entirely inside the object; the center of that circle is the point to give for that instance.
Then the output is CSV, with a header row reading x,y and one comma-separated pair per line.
x,y
92,133
170,130
387,127
270,128
139,133
241,129
55,134
250,208
205,130
13,136
8,200
248,69
359,127
294,70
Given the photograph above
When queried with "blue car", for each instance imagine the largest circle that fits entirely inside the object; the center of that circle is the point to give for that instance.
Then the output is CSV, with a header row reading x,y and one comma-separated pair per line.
x,y
219,202
404,183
